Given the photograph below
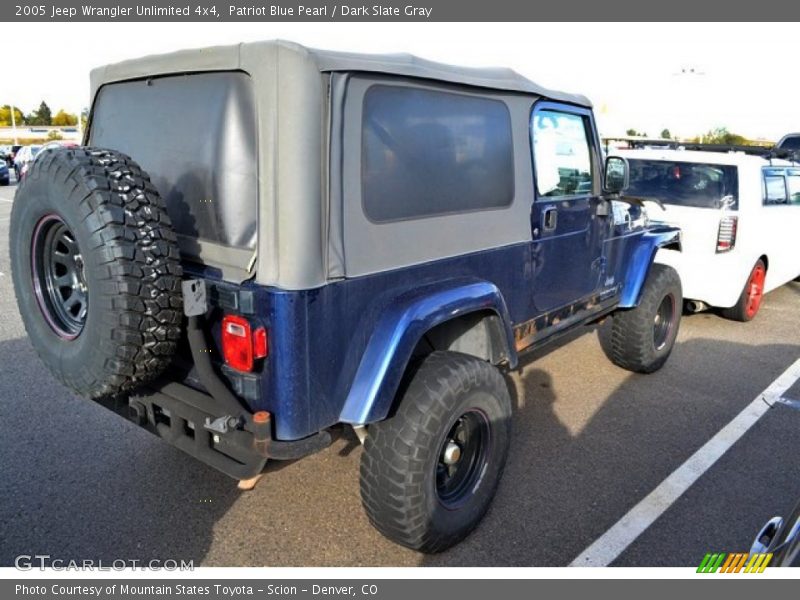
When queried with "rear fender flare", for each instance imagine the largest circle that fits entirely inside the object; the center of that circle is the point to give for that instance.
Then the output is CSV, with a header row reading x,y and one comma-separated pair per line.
x,y
400,328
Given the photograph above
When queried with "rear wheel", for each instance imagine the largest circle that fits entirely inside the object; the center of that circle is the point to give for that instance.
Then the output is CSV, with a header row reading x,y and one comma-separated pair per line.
x,y
641,339
749,303
429,473
96,270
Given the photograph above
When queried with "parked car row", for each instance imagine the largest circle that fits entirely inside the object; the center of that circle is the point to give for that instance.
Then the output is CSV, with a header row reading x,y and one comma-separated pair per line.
x,y
7,154
20,158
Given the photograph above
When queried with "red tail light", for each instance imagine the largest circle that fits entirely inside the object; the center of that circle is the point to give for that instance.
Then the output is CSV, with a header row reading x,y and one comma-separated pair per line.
x,y
726,236
241,345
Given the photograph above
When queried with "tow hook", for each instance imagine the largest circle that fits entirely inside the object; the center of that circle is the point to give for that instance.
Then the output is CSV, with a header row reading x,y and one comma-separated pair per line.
x,y
222,424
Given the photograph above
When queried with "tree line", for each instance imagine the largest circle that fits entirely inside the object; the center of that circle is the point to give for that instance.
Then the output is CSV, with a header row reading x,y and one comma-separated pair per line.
x,y
720,135
41,116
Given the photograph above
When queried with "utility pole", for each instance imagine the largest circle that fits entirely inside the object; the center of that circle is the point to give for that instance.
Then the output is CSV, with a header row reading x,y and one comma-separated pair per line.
x,y
13,124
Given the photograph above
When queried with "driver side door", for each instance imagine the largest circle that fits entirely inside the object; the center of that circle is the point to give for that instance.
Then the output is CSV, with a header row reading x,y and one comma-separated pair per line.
x,y
567,232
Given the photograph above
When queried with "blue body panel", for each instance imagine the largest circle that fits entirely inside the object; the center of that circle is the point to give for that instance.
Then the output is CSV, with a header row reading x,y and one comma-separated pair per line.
x,y
336,353
318,338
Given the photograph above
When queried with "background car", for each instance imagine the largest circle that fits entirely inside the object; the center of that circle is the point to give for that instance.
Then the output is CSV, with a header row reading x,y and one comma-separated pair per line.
x,y
5,177
789,142
13,149
739,212
781,537
23,158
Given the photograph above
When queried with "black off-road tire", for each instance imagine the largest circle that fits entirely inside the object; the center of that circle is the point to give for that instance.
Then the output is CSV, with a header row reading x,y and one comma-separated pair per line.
x,y
122,258
401,489
636,339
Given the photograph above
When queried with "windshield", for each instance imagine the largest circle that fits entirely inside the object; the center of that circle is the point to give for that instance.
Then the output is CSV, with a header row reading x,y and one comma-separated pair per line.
x,y
790,143
684,183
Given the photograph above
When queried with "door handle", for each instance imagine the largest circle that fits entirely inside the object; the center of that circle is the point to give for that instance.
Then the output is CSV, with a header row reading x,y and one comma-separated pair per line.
x,y
550,218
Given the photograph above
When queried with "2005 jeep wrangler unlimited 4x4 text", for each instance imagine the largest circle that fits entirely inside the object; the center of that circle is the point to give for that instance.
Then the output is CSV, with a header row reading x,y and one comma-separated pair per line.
x,y
260,242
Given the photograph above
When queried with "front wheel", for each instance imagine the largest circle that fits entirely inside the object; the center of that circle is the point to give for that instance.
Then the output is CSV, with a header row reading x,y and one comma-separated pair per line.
x,y
429,472
746,308
641,339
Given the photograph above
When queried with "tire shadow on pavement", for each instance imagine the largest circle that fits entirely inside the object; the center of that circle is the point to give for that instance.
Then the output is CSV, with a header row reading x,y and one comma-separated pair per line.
x,y
564,488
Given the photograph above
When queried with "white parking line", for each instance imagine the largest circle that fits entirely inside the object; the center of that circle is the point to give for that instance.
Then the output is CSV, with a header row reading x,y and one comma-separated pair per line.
x,y
605,549
6,200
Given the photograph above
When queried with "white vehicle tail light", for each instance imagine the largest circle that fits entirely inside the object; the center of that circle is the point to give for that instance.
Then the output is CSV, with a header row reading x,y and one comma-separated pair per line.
x,y
726,236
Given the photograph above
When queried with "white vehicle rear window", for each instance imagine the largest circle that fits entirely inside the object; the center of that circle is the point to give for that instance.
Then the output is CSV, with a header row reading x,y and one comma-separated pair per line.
x,y
685,183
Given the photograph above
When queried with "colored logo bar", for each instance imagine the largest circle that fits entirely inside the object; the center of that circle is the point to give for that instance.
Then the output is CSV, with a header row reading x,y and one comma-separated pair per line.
x,y
735,562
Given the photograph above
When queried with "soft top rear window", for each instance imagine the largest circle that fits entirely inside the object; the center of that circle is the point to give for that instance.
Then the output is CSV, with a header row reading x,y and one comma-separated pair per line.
x,y
685,183
196,137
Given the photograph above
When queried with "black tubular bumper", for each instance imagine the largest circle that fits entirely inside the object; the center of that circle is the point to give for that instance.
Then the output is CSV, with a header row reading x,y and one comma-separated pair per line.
x,y
189,419
214,426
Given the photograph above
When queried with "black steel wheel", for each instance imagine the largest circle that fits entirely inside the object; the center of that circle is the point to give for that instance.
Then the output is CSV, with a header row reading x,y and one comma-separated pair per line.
x,y
462,458
664,322
430,471
59,278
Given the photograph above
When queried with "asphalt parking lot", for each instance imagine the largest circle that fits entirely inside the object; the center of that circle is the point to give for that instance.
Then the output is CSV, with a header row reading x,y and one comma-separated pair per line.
x,y
590,442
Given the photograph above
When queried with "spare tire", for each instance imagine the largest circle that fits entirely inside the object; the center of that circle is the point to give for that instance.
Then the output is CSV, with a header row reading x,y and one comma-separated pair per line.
x,y
96,270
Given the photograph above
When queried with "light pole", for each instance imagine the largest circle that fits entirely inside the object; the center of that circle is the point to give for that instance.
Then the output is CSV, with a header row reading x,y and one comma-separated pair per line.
x,y
13,124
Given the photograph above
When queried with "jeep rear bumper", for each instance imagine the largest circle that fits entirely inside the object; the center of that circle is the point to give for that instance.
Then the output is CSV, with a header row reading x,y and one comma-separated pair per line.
x,y
190,420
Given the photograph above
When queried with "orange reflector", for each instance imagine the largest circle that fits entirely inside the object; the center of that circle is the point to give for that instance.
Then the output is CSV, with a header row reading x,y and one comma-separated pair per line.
x,y
261,416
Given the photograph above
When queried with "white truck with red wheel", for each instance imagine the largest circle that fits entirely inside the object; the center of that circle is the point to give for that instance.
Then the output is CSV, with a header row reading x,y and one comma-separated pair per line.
x,y
739,211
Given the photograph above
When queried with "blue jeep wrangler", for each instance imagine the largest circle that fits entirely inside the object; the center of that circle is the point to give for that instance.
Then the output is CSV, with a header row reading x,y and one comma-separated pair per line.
x,y
259,243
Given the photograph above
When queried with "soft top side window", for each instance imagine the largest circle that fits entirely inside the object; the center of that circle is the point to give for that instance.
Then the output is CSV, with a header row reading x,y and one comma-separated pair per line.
x,y
428,152
562,154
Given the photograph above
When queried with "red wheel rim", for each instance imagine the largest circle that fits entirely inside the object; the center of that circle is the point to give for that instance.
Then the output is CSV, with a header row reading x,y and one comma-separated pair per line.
x,y
755,290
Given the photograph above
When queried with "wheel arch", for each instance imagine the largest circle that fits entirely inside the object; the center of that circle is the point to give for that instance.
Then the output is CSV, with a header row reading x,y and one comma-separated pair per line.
x,y
470,317
640,260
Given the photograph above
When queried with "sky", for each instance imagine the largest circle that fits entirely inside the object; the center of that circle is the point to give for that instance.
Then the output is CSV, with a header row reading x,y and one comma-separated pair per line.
x,y
688,78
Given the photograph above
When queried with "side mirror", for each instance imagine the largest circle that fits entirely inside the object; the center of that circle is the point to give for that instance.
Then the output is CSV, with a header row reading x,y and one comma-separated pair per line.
x,y
617,175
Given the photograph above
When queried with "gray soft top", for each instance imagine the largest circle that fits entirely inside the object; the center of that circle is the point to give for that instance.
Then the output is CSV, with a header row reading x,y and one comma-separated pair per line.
x,y
297,245
220,57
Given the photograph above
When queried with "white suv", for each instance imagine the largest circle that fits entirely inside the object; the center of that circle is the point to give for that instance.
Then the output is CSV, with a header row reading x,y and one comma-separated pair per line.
x,y
740,216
